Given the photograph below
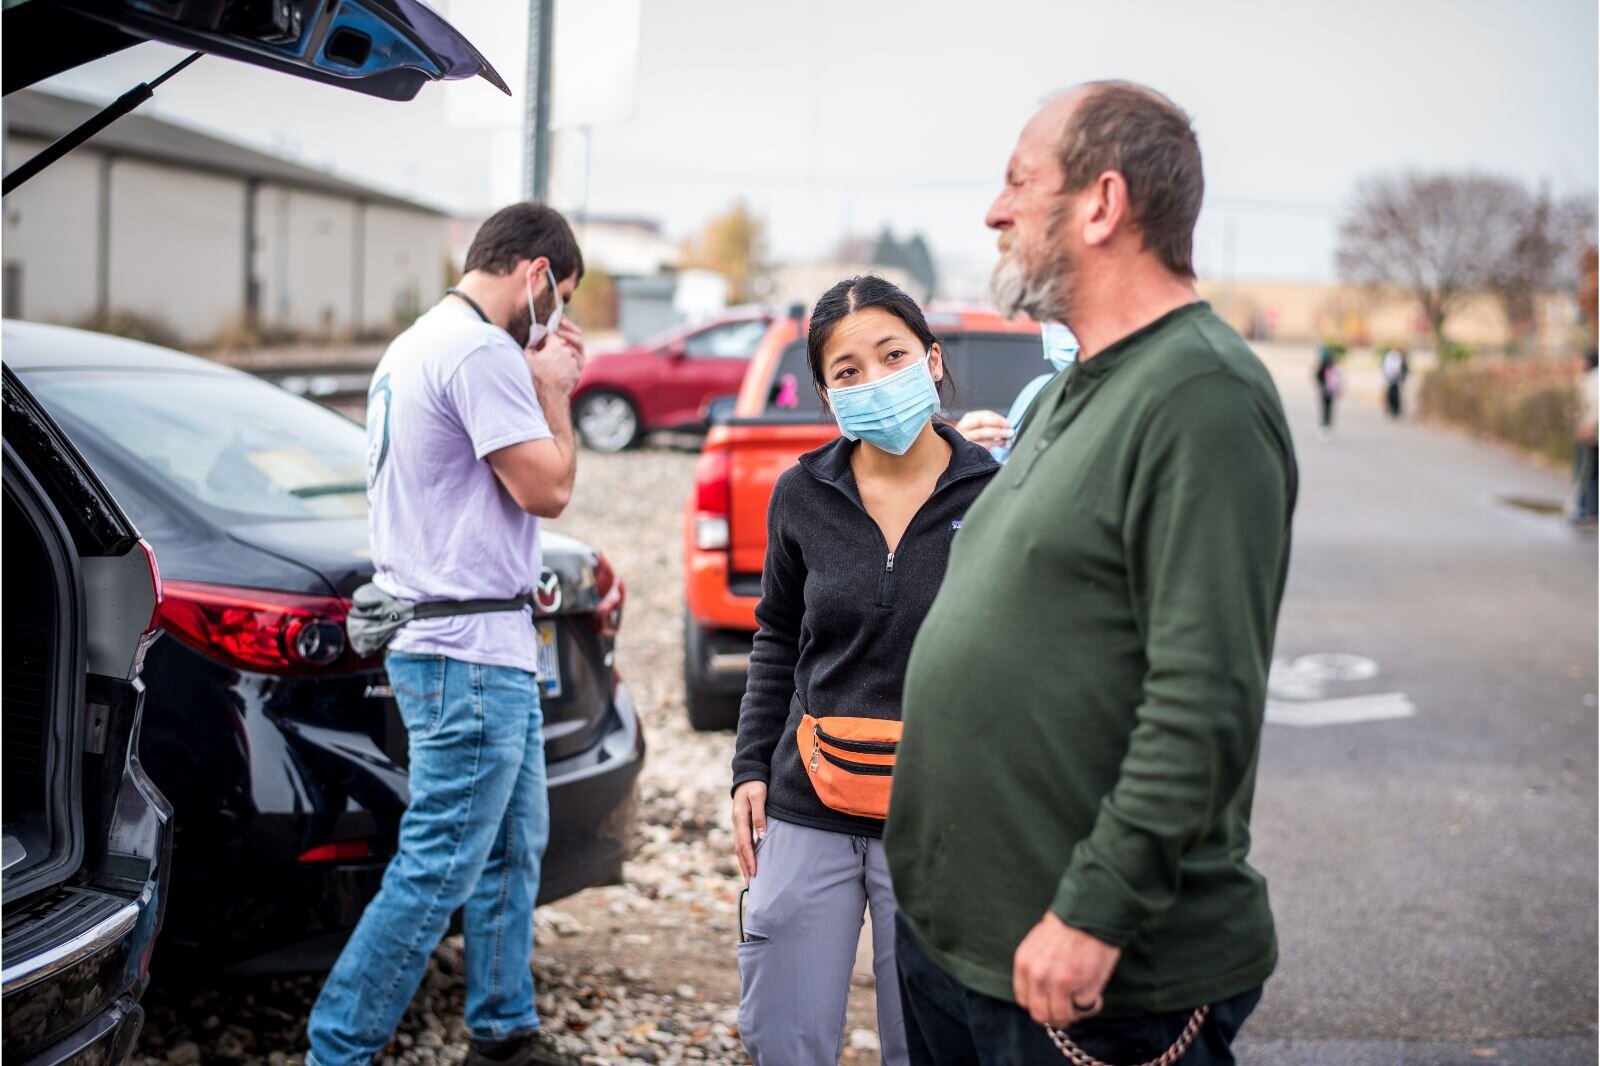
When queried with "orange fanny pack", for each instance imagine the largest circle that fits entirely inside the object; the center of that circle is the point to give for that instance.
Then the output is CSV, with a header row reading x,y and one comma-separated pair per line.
x,y
850,761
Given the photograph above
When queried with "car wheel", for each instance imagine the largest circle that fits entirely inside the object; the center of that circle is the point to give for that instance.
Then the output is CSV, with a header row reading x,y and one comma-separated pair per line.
x,y
607,421
713,704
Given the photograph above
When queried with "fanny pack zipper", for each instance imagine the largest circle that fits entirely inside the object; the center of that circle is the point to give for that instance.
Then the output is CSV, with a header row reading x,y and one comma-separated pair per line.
x,y
862,747
868,769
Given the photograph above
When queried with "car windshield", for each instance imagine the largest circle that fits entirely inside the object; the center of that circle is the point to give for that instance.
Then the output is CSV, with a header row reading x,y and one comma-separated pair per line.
x,y
230,442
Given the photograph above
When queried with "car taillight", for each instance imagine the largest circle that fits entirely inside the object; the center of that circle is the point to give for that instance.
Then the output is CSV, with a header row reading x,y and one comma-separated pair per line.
x,y
149,635
712,502
273,632
338,851
607,617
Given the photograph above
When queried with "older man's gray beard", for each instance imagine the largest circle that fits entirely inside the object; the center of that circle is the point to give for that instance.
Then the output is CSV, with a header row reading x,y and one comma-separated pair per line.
x,y
1043,293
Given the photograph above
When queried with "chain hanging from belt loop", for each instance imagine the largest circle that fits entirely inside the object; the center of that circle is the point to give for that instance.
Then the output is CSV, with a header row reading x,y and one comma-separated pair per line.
x,y
1078,1057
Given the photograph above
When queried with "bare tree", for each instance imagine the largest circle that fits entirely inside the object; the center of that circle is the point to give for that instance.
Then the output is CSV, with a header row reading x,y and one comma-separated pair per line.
x,y
1429,234
1540,246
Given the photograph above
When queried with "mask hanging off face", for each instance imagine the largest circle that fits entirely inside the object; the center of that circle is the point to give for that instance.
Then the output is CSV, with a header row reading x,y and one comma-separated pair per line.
x,y
890,413
538,331
1060,345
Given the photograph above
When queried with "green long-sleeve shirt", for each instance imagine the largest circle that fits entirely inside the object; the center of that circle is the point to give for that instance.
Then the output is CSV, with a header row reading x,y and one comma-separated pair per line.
x,y
1083,704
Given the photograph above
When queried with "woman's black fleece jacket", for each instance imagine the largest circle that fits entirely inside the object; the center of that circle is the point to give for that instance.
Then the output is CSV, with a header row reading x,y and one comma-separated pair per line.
x,y
838,614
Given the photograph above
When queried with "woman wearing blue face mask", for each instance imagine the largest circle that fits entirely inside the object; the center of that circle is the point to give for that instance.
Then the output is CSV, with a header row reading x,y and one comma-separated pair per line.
x,y
858,534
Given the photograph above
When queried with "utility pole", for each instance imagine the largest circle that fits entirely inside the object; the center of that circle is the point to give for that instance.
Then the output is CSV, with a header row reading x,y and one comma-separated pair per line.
x,y
536,121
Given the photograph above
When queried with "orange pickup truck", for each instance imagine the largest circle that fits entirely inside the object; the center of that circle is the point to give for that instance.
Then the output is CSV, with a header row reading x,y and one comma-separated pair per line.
x,y
776,418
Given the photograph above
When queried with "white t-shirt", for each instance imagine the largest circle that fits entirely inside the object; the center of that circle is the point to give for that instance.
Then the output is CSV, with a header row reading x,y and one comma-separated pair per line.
x,y
1394,367
450,390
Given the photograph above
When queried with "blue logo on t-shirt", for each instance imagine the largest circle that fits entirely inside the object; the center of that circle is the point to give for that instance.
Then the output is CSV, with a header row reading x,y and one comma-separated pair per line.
x,y
955,523
379,401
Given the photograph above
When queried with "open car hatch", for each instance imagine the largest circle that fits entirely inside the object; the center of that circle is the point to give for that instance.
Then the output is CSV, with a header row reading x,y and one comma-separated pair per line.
x,y
383,48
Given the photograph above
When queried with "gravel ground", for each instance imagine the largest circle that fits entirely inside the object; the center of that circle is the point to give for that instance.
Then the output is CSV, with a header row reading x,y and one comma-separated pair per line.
x,y
644,971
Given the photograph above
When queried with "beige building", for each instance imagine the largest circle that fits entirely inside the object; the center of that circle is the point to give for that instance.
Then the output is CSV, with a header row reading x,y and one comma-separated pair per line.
x,y
211,240
1299,313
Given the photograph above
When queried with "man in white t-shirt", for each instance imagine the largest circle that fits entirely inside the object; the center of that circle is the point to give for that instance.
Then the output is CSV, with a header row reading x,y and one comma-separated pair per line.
x,y
470,443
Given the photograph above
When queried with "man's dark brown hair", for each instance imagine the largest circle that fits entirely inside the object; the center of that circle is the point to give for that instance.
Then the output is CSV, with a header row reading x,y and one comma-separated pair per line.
x,y
525,231
1149,140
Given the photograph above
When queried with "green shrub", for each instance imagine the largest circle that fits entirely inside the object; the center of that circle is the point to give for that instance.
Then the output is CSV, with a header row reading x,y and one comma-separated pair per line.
x,y
1530,404
1454,352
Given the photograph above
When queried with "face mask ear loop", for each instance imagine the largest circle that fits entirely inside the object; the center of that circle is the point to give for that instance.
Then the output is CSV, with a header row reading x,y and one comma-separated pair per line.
x,y
561,306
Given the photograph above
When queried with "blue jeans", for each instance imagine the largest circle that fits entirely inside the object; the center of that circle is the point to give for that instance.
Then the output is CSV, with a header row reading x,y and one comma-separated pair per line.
x,y
472,838
948,1024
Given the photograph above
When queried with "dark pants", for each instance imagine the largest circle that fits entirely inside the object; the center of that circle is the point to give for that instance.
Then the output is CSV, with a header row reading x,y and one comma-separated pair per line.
x,y
1327,409
947,1024
1393,398
1586,482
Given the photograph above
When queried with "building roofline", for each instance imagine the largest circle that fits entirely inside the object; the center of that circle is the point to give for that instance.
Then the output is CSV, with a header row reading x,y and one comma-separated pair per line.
x,y
41,115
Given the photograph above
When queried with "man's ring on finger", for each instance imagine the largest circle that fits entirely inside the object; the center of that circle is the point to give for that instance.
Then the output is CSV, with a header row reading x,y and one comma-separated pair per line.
x,y
1091,1007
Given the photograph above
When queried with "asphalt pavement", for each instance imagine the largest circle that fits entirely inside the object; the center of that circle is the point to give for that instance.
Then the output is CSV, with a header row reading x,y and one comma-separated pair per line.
x,y
1426,812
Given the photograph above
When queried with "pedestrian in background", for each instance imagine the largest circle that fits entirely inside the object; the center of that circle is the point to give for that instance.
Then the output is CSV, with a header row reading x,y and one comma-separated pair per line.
x,y
1586,454
1329,381
1083,706
857,537
1396,369
470,443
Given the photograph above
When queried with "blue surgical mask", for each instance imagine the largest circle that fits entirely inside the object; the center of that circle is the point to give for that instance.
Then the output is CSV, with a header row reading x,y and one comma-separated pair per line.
x,y
1060,345
891,412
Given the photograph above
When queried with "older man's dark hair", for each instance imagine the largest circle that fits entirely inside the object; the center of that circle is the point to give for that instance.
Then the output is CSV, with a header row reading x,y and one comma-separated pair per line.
x,y
1149,140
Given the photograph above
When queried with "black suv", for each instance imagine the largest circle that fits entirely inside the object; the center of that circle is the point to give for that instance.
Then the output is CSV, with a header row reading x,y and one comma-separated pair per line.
x,y
87,835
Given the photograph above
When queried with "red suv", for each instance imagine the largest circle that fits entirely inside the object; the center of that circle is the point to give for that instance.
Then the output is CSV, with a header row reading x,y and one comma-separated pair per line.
x,y
664,383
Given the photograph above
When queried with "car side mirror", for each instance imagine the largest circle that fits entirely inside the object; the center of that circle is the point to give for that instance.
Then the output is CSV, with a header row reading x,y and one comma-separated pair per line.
x,y
677,350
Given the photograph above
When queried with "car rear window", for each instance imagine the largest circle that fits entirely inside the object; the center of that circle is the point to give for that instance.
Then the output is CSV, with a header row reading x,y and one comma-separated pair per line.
x,y
235,443
989,369
792,391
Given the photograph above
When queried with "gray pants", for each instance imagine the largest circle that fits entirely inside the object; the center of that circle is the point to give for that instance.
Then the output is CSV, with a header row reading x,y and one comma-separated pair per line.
x,y
802,922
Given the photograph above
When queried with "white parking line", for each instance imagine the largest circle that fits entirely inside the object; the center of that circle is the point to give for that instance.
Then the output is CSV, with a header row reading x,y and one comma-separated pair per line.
x,y
1378,707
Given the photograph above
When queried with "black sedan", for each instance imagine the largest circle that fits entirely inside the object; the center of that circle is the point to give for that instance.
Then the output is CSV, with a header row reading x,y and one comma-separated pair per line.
x,y
281,752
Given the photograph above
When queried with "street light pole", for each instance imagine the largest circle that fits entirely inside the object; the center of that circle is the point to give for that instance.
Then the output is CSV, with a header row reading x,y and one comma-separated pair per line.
x,y
536,115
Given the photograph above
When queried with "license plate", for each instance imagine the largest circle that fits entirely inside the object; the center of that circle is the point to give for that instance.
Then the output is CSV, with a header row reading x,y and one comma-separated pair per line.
x,y
549,659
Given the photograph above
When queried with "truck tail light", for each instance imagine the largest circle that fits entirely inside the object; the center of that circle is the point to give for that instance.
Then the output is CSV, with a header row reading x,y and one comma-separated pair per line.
x,y
270,632
713,478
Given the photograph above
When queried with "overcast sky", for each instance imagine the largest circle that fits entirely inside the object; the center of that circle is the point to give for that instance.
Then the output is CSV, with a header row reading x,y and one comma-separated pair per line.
x,y
835,117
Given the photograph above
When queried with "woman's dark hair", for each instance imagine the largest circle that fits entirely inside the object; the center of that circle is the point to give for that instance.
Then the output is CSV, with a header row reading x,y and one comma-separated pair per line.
x,y
861,293
525,231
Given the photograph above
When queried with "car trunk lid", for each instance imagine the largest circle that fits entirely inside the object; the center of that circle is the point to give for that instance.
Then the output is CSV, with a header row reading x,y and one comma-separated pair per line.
x,y
383,48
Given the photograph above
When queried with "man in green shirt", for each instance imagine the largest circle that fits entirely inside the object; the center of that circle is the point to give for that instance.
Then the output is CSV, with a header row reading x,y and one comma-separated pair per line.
x,y
1070,817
